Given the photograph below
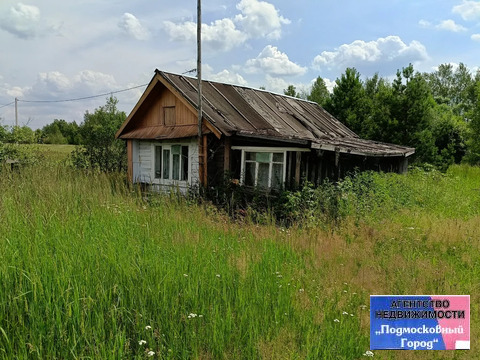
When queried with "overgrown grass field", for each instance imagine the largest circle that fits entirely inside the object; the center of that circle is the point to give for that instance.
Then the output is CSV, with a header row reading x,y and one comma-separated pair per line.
x,y
91,269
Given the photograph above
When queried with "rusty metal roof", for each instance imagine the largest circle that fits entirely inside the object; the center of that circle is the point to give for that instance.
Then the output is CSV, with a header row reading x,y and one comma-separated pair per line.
x,y
163,132
238,110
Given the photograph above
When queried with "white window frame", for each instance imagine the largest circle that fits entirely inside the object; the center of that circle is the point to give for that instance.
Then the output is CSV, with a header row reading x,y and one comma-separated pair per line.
x,y
170,180
270,166
272,150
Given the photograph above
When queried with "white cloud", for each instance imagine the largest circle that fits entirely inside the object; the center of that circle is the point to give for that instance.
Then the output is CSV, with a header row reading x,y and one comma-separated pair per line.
x,y
359,53
468,10
15,91
55,85
228,77
274,62
424,23
224,76
475,37
220,35
260,19
278,85
181,32
132,26
22,21
448,25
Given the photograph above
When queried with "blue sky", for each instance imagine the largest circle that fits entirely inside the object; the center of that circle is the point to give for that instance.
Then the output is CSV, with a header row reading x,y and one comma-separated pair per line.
x,y
55,50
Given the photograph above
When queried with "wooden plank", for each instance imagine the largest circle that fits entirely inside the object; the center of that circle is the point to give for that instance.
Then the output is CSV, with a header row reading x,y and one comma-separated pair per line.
x,y
184,115
130,160
226,154
205,160
298,162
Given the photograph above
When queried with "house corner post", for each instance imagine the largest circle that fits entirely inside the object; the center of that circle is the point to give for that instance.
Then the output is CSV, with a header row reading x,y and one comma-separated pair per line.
x,y
130,160
226,154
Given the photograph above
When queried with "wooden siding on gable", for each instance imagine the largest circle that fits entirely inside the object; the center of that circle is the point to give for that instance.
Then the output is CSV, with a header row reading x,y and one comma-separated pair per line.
x,y
183,114
164,109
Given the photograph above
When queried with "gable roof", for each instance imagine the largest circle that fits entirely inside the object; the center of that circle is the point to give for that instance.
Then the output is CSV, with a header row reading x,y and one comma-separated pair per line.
x,y
237,110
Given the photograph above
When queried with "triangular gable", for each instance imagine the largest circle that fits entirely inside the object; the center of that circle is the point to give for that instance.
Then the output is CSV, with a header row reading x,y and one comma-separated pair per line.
x,y
131,121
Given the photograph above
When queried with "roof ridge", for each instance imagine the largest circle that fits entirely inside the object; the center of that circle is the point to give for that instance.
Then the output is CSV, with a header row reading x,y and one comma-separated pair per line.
x,y
240,86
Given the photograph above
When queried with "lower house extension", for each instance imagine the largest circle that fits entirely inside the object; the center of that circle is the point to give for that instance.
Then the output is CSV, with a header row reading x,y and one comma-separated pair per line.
x,y
262,139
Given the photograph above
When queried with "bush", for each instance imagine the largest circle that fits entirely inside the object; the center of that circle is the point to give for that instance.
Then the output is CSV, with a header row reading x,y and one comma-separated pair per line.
x,y
101,150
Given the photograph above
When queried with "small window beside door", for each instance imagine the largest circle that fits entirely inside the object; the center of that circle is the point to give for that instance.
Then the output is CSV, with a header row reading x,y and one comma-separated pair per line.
x,y
171,162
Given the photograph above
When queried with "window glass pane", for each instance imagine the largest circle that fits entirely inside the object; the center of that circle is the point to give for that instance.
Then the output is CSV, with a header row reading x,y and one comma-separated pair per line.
x,y
250,173
250,156
166,164
278,157
175,166
158,162
184,174
176,149
263,157
262,178
277,175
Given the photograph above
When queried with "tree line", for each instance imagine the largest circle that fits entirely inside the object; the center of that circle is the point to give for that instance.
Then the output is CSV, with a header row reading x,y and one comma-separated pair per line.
x,y
96,136
438,113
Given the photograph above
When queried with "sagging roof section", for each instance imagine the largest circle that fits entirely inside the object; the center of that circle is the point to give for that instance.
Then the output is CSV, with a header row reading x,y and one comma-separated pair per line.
x,y
237,110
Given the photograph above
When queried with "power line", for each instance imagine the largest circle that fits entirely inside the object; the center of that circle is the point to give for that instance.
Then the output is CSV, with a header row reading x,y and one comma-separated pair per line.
x,y
2,106
81,98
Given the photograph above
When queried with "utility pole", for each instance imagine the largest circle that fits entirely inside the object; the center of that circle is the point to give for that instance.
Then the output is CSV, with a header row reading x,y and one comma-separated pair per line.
x,y
16,112
201,150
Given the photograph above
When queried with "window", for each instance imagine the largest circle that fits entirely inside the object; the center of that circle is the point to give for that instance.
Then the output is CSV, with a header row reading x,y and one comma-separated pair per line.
x,y
171,162
166,164
158,162
264,169
169,118
184,170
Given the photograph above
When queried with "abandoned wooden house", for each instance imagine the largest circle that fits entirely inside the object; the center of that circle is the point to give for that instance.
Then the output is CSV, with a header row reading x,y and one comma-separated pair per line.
x,y
257,137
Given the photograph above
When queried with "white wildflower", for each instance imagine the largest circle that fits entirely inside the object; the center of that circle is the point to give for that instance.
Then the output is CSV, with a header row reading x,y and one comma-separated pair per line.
x,y
148,327
344,291
192,316
151,353
368,353
186,275
301,290
200,316
351,314
218,275
142,342
344,313
336,320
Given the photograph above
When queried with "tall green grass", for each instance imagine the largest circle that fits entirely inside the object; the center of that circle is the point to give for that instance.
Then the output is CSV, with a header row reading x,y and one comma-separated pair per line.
x,y
90,267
